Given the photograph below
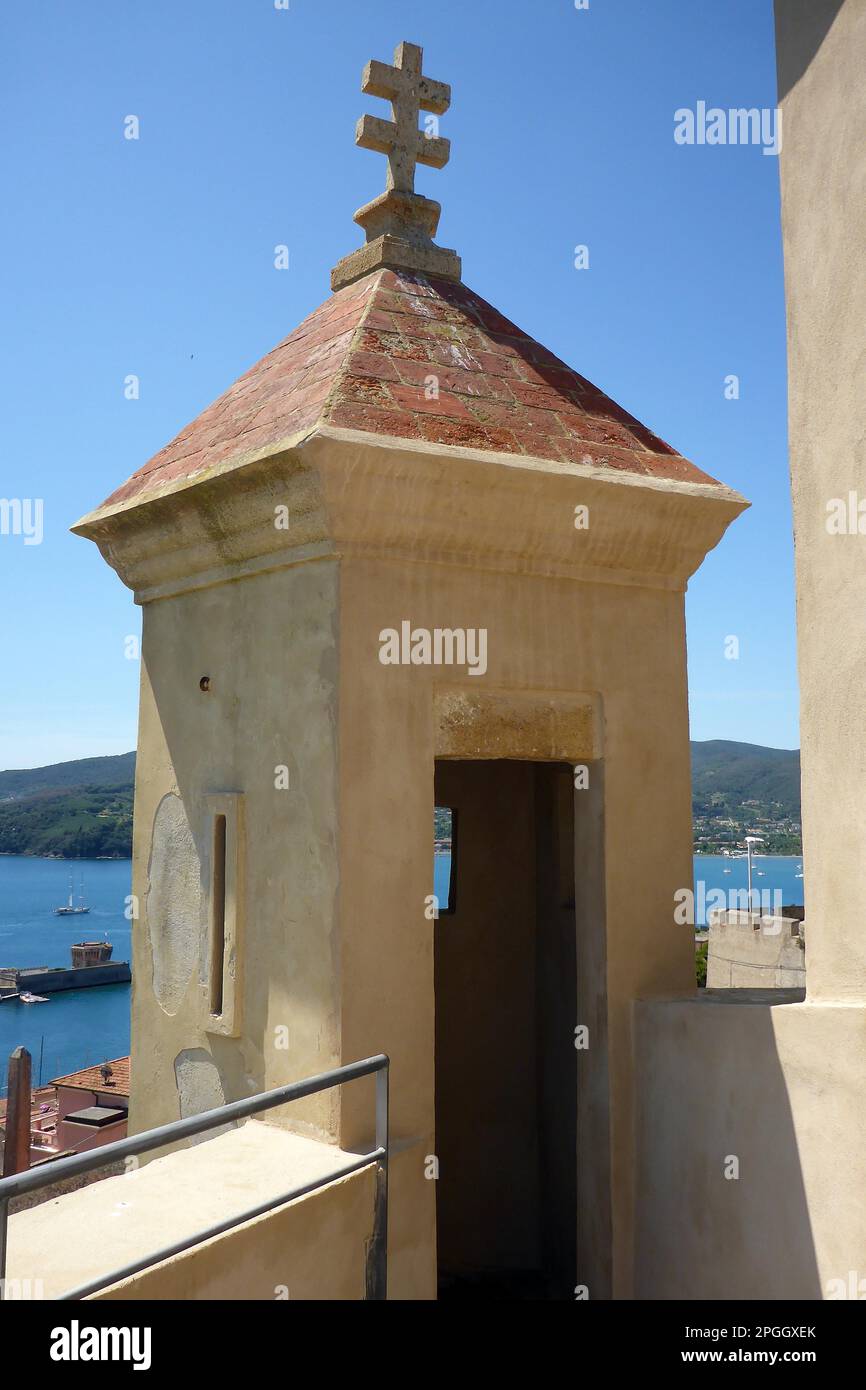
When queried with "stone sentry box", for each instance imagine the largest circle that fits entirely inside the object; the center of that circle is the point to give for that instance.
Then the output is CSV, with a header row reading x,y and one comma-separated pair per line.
x,y
408,458
585,661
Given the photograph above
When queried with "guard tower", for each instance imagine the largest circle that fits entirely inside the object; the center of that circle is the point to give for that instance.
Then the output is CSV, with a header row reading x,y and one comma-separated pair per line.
x,y
412,559
91,953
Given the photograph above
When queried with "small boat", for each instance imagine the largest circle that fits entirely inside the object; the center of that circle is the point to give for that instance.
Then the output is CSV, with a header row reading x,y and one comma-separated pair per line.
x,y
72,909
27,998
726,871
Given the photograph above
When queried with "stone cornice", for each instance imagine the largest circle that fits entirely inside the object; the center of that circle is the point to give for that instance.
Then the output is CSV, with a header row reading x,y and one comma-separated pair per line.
x,y
346,493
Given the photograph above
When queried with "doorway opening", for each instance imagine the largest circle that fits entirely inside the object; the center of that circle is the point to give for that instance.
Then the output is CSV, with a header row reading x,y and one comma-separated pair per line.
x,y
506,1010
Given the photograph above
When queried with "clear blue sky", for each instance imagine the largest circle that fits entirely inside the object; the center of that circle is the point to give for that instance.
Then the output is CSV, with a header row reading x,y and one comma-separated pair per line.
x,y
155,257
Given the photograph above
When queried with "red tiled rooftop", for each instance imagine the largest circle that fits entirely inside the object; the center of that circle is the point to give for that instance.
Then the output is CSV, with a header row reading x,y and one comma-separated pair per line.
x,y
90,1078
363,361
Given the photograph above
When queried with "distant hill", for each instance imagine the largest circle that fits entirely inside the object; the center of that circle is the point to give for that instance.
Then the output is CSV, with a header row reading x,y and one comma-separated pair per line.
x,y
83,809
77,810
118,771
741,787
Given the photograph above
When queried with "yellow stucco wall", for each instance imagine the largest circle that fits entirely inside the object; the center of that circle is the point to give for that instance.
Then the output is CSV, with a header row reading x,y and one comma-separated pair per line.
x,y
779,1086
312,1248
585,662
821,46
751,1153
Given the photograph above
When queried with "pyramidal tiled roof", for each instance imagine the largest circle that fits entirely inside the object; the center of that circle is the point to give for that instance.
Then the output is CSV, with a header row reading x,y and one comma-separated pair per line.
x,y
364,361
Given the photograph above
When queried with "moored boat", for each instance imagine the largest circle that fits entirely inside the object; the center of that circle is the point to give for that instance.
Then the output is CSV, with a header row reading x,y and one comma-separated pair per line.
x,y
71,908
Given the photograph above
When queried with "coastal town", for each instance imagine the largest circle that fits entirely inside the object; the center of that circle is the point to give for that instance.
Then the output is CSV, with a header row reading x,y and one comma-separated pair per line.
x,y
724,834
83,1110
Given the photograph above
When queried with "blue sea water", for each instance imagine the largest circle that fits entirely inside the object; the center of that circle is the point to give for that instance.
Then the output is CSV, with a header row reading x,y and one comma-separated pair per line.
x,y
80,1027
770,874
777,877
85,1026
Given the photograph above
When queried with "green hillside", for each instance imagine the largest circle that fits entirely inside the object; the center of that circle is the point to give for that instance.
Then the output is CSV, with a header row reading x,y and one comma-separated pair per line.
x,y
83,809
117,771
76,810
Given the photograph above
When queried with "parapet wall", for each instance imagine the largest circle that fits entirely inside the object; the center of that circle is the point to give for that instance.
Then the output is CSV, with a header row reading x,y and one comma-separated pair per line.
x,y
313,1248
751,951
751,1147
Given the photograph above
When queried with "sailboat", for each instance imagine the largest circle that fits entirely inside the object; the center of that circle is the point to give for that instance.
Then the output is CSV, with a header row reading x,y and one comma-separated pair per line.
x,y
71,909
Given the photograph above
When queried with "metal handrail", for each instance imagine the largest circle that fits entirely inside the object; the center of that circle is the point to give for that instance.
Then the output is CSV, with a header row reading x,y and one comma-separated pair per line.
x,y
377,1256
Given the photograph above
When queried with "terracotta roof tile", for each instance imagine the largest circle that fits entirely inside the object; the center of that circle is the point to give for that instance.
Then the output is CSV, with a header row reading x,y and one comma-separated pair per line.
x,y
90,1079
364,360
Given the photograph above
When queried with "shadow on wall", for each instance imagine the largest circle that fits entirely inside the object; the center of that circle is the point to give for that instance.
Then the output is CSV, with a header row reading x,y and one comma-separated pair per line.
x,y
714,1101
801,28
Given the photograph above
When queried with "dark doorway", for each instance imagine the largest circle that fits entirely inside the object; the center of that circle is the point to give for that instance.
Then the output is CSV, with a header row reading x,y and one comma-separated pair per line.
x,y
506,1075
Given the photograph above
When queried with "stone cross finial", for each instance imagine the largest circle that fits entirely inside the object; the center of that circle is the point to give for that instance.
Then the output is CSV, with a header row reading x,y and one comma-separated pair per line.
x,y
400,139
400,224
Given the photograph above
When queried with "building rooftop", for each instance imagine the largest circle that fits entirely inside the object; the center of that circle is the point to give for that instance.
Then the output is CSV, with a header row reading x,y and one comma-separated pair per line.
x,y
97,1115
90,1078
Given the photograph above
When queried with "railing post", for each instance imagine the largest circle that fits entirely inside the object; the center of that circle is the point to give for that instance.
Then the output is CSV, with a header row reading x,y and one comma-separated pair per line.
x,y
4,1217
377,1258
16,1149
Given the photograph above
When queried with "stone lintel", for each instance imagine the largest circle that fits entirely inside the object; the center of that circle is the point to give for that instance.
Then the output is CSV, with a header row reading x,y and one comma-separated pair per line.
x,y
513,724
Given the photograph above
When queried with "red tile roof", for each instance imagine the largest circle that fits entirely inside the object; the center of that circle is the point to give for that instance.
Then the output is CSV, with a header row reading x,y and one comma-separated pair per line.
x,y
90,1079
364,361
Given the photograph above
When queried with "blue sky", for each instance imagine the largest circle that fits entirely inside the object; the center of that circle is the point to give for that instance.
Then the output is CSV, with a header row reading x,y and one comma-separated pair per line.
x,y
155,258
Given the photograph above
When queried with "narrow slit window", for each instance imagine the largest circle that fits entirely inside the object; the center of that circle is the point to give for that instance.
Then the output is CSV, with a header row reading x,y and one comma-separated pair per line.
x,y
445,857
218,915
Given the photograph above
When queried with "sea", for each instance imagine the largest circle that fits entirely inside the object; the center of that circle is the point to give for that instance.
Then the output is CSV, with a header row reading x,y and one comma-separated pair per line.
x,y
83,1027
78,1027
771,874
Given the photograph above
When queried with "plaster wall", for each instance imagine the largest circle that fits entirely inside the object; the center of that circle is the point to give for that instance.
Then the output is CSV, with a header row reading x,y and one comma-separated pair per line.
x,y
268,645
821,52
624,648
748,951
777,1086
331,877
312,1248
360,738
80,1138
740,1074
